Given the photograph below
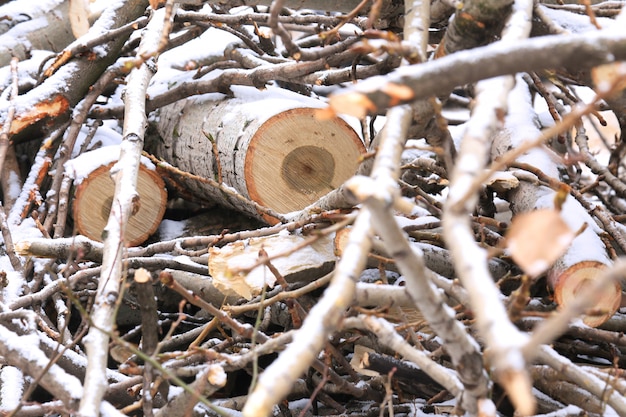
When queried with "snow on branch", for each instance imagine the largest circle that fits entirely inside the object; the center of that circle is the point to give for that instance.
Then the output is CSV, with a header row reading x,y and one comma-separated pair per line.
x,y
125,204
409,83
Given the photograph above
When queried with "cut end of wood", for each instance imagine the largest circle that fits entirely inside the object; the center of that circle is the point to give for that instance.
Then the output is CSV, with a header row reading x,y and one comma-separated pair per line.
x,y
22,248
51,108
295,158
576,280
94,197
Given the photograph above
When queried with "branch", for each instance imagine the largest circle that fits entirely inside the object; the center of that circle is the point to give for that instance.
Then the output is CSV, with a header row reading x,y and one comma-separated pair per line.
x,y
376,94
125,203
23,353
388,336
470,259
57,94
277,380
379,195
586,380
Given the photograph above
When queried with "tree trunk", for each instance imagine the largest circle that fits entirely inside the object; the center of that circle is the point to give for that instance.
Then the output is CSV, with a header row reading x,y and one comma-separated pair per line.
x,y
270,146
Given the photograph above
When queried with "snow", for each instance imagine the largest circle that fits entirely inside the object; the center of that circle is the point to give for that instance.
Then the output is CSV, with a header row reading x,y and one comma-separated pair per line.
x,y
185,260
11,387
574,22
15,37
50,88
14,287
209,47
206,48
210,43
425,218
15,187
27,69
80,167
23,345
16,8
103,24
81,361
106,135
171,229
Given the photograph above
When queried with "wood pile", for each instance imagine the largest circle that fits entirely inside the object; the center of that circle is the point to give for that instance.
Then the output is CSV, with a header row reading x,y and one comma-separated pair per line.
x,y
312,208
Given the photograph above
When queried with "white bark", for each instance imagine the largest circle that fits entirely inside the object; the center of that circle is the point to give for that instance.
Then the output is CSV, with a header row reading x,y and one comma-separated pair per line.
x,y
586,256
586,380
125,174
271,147
388,336
379,195
277,380
502,338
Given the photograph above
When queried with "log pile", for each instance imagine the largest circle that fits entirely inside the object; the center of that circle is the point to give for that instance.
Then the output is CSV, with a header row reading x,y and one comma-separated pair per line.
x,y
301,208
268,145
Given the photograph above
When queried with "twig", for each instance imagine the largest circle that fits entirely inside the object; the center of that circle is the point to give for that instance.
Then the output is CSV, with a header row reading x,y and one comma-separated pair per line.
x,y
124,205
277,379
6,127
470,259
16,263
575,374
283,295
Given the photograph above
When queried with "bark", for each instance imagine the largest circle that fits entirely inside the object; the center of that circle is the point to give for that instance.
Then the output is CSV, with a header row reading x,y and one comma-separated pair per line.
x,y
376,94
507,359
586,257
378,196
267,145
125,204
52,99
475,23
43,26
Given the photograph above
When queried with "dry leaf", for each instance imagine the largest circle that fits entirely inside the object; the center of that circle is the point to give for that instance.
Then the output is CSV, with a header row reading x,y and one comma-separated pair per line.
x,y
79,17
353,104
216,375
537,239
502,181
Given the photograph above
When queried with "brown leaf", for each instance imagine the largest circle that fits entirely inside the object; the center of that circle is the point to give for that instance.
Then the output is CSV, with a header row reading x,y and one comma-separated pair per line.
x,y
537,239
354,104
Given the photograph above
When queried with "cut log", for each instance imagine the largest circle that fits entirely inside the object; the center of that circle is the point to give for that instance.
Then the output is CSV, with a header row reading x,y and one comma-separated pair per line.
x,y
575,282
94,195
267,145
586,257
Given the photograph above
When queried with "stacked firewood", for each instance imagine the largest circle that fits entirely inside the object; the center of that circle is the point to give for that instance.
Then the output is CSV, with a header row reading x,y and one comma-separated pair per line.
x,y
312,208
